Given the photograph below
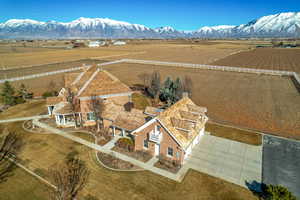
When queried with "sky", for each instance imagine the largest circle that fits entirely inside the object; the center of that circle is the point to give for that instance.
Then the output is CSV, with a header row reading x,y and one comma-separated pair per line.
x,y
182,15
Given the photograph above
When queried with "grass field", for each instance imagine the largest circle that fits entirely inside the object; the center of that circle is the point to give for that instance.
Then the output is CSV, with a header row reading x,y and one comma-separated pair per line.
x,y
31,108
234,134
266,103
106,184
265,58
42,84
43,151
22,185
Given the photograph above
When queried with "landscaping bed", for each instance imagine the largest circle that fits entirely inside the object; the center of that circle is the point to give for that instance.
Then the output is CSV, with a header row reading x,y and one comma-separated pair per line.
x,y
126,146
139,155
165,164
115,163
28,126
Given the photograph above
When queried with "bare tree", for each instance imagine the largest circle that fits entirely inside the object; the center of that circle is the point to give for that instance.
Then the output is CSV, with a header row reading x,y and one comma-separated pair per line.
x,y
145,78
52,87
98,107
187,85
69,178
155,84
10,147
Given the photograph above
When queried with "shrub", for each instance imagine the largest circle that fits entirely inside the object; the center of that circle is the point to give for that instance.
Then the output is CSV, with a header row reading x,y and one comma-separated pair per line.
x,y
277,192
49,94
19,100
126,144
144,154
71,155
163,160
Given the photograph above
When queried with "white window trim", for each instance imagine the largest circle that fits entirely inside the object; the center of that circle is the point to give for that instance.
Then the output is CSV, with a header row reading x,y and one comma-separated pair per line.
x,y
168,155
144,145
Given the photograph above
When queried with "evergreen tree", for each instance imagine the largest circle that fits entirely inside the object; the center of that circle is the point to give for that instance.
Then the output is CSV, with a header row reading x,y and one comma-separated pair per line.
x,y
7,94
178,90
277,192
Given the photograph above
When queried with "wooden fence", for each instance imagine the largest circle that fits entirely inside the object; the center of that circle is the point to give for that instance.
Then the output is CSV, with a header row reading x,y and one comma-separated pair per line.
x,y
41,74
218,68
174,64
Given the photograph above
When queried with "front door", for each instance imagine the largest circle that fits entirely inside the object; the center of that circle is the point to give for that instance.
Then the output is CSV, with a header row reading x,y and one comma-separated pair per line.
x,y
156,150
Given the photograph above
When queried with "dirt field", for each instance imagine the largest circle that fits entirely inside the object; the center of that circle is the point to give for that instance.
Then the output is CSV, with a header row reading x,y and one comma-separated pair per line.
x,y
10,73
44,57
202,53
265,58
181,51
266,103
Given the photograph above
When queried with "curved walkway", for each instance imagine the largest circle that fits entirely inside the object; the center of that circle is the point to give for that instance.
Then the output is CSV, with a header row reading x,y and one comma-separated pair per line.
x,y
147,166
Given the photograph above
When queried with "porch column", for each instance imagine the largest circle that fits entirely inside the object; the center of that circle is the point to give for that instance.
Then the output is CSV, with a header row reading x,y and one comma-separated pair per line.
x,y
123,132
64,120
114,131
49,110
57,119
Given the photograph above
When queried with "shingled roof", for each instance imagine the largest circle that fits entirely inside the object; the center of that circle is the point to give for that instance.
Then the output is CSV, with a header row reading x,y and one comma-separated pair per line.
x,y
130,120
184,120
103,83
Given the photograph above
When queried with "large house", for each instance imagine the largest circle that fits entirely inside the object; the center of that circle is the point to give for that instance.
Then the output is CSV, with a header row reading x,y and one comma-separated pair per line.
x,y
172,132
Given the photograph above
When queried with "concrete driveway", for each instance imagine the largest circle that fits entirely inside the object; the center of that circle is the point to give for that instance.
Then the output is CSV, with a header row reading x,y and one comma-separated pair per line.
x,y
226,159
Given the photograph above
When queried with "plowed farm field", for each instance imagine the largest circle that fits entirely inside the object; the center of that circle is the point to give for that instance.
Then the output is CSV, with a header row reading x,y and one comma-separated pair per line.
x,y
264,58
266,103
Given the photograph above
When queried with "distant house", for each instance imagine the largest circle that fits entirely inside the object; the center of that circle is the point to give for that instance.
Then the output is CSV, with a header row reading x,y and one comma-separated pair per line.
x,y
78,44
119,42
96,44
172,132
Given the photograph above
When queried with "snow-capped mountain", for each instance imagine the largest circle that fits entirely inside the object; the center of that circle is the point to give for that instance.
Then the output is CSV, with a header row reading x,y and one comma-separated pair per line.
x,y
214,31
82,28
278,25
169,32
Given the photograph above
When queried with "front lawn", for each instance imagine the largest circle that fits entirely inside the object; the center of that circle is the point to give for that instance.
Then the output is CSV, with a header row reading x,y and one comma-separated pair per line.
x,y
234,134
44,151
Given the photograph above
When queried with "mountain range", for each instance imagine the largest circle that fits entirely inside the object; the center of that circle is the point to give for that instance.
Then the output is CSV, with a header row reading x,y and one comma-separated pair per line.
x,y
277,25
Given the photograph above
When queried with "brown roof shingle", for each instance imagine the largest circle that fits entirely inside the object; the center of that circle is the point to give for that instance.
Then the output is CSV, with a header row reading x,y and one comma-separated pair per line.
x,y
54,100
104,83
175,120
